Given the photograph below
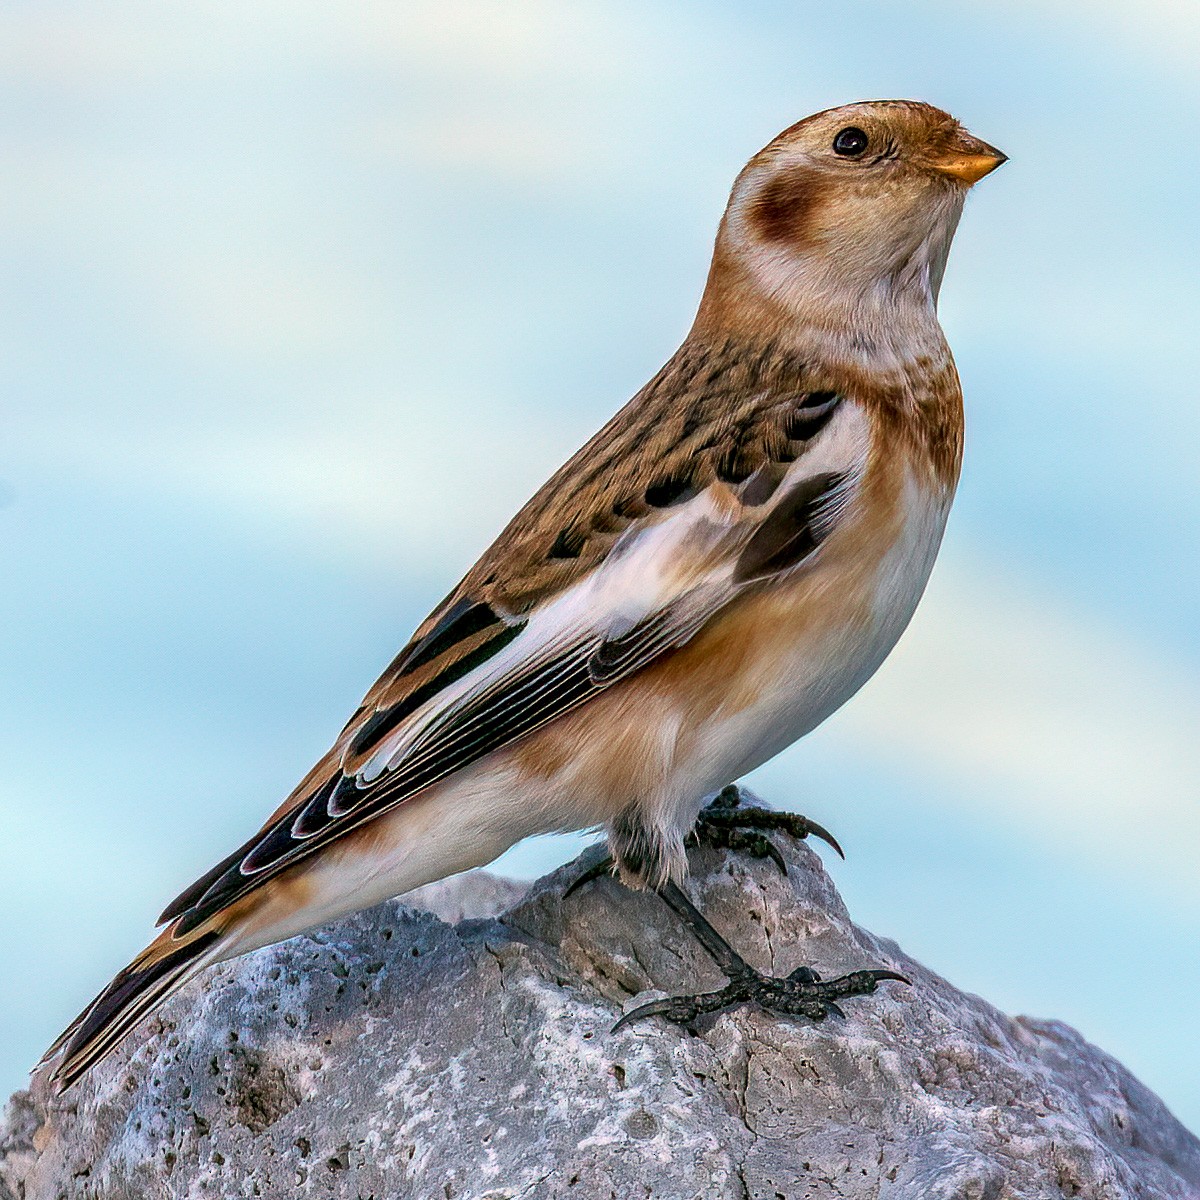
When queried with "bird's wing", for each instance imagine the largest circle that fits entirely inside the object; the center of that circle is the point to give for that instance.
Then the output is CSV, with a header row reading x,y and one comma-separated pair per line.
x,y
666,516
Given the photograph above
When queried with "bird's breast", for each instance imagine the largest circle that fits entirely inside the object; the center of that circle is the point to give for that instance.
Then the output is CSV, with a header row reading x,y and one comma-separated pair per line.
x,y
763,672
781,661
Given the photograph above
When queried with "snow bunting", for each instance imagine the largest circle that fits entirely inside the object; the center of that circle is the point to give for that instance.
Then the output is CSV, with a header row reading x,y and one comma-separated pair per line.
x,y
713,574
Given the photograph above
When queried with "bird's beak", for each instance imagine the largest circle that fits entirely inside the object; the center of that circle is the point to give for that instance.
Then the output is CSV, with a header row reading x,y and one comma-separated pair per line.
x,y
968,160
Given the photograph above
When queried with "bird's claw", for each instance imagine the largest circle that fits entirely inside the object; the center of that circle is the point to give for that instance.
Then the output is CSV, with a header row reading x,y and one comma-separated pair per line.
x,y
729,825
600,868
745,841
803,993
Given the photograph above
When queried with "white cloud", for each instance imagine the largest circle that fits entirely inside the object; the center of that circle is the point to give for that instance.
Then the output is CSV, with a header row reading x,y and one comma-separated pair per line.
x,y
1162,31
392,481
137,42
1043,718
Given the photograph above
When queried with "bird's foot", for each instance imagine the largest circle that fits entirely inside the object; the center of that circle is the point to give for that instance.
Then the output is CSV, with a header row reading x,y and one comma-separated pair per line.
x,y
729,825
802,993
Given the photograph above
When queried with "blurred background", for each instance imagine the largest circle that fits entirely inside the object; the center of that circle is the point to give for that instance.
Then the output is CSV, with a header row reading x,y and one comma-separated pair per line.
x,y
299,301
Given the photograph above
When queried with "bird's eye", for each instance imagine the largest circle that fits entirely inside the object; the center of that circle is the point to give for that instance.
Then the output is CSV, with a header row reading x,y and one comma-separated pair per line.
x,y
850,142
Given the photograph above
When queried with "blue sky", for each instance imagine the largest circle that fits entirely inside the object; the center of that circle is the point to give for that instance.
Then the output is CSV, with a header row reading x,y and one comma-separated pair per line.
x,y
298,303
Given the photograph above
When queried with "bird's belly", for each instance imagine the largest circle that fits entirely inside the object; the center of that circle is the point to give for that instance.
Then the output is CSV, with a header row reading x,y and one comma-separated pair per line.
x,y
816,641
766,672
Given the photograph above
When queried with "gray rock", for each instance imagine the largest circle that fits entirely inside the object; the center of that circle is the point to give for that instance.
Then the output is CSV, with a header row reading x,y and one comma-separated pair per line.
x,y
395,1055
469,895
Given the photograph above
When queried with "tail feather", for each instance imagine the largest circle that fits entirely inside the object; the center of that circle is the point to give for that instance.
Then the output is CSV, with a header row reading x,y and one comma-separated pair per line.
x,y
132,996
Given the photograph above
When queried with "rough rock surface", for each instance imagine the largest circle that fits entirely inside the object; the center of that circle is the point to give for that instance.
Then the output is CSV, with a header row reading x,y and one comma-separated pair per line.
x,y
395,1055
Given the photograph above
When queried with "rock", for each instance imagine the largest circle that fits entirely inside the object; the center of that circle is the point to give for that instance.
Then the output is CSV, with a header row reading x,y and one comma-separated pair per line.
x,y
472,894
395,1055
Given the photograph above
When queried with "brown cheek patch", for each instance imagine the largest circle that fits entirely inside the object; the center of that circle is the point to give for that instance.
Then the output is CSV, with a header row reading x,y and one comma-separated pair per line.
x,y
786,208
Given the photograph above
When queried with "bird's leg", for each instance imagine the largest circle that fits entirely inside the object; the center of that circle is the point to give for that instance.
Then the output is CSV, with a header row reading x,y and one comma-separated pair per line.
x,y
727,824
730,825
802,993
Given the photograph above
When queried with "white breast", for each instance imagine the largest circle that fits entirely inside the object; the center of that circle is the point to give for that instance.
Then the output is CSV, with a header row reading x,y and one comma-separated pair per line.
x,y
822,672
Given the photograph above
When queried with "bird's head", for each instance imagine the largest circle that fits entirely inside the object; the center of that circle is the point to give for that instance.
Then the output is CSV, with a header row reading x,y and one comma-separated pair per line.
x,y
848,212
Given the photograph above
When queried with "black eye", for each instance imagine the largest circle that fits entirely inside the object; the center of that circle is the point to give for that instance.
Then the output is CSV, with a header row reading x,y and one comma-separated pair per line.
x,y
851,142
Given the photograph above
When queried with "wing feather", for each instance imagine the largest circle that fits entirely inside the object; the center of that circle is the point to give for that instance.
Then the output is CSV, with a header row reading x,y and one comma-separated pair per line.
x,y
659,554
463,733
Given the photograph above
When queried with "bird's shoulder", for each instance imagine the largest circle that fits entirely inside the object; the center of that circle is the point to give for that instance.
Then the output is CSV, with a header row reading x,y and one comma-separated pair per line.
x,y
722,420
725,422
717,417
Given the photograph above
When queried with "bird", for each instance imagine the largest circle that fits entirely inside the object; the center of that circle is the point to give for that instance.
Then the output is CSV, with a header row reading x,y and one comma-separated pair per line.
x,y
713,574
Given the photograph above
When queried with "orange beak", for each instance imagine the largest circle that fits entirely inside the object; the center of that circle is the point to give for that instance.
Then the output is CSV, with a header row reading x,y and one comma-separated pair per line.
x,y
969,160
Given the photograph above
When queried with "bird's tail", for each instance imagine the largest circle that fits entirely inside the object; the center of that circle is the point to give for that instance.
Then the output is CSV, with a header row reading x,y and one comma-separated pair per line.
x,y
160,970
